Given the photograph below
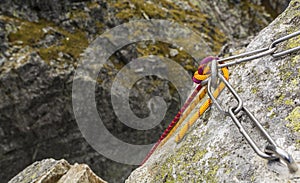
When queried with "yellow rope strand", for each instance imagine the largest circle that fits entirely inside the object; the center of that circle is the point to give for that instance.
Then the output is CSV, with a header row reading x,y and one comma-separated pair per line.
x,y
185,114
202,109
191,107
196,115
200,76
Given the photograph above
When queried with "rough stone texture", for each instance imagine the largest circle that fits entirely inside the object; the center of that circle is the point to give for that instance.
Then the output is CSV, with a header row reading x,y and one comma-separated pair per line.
x,y
53,171
40,44
80,174
214,150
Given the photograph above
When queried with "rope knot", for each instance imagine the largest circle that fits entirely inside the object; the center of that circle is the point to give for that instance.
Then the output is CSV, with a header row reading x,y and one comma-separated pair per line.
x,y
203,71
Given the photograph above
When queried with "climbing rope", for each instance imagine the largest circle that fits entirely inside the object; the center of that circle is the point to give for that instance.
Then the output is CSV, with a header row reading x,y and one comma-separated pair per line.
x,y
203,70
200,75
186,114
207,76
203,107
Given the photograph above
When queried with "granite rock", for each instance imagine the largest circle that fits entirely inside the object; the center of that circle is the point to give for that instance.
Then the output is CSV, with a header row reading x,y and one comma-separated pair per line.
x,y
56,171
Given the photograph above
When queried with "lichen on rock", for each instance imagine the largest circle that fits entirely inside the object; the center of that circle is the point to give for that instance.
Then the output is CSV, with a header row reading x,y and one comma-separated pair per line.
x,y
294,119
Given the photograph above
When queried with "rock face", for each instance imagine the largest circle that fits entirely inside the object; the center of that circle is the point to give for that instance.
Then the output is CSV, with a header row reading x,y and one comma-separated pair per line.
x,y
50,170
214,150
40,45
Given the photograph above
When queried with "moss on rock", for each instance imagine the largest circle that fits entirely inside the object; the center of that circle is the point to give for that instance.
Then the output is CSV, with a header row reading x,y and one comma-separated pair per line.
x,y
31,34
193,17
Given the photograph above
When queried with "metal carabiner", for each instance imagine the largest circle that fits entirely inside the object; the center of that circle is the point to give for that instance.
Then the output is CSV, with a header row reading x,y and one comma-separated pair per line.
x,y
214,73
231,89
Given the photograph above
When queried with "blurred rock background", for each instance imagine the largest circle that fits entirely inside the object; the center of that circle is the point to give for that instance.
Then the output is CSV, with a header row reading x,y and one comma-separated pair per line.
x,y
41,43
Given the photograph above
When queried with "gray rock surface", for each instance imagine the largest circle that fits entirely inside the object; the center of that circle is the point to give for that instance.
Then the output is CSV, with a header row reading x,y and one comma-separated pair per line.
x,y
40,45
56,171
214,150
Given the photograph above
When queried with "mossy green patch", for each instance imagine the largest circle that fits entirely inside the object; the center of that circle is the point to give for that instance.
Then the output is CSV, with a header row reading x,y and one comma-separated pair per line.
x,y
294,119
295,6
159,48
298,144
285,73
180,159
73,44
270,108
31,33
163,9
93,4
272,115
78,14
295,82
211,174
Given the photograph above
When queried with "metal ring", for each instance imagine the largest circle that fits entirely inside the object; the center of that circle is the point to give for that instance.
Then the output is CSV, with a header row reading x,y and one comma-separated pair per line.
x,y
205,82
